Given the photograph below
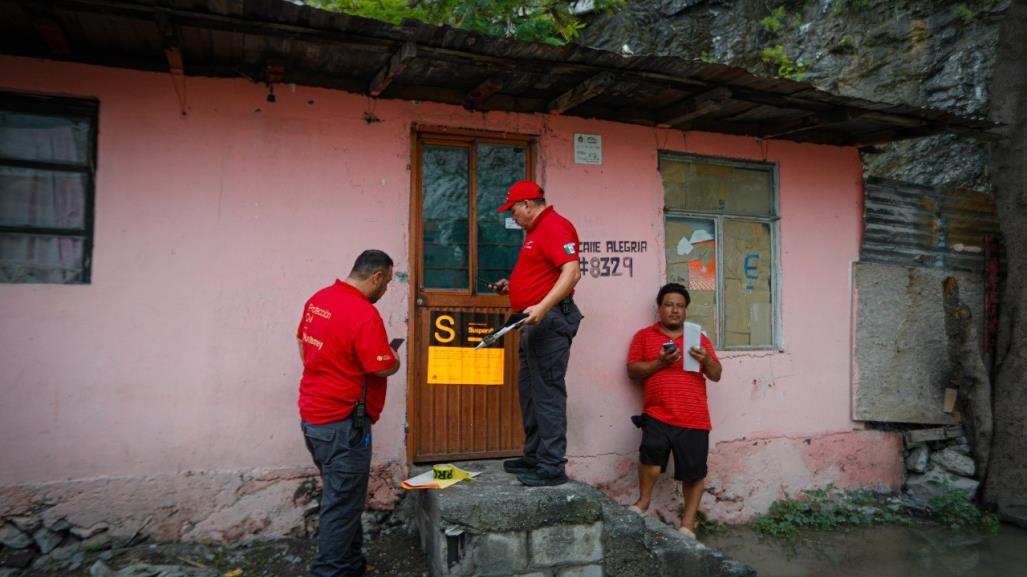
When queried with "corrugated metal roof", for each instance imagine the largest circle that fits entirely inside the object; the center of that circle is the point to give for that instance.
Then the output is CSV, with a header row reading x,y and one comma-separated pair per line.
x,y
914,225
416,61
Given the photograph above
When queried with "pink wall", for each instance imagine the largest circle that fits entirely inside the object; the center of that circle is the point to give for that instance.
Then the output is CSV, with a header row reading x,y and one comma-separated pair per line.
x,y
213,228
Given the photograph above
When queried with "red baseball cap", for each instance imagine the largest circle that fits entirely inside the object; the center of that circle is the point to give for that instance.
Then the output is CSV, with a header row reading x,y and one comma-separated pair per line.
x,y
521,190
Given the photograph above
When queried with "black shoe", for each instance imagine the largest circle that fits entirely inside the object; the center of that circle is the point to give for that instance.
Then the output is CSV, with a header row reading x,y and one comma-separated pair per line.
x,y
518,466
538,478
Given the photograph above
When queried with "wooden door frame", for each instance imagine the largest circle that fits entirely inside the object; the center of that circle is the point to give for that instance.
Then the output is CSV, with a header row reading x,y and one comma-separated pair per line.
x,y
441,134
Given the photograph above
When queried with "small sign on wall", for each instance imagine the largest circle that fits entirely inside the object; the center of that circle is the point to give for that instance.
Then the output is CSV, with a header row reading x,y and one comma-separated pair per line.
x,y
588,149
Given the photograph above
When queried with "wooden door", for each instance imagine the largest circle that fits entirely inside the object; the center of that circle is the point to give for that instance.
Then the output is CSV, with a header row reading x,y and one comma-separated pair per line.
x,y
463,403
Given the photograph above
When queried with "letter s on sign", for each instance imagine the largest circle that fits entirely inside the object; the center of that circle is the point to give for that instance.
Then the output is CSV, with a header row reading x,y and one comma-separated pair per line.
x,y
445,332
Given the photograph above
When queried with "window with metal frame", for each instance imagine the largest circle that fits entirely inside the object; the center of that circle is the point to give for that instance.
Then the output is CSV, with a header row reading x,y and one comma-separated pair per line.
x,y
47,178
720,220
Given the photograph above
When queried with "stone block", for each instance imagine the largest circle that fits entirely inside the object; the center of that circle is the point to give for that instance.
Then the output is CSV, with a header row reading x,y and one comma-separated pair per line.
x,y
954,462
581,571
916,461
46,540
100,569
625,554
97,542
915,437
66,550
496,503
935,482
17,558
499,554
559,544
87,532
27,524
14,537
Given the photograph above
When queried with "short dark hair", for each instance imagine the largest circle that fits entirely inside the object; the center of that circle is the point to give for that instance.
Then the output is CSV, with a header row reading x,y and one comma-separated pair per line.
x,y
673,287
369,262
540,201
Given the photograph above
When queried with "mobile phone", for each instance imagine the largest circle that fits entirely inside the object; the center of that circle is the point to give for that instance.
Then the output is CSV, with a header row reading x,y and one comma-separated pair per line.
x,y
670,347
394,344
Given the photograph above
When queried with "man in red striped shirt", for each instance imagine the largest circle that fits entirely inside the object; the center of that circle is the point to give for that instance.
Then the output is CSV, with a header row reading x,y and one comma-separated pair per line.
x,y
676,417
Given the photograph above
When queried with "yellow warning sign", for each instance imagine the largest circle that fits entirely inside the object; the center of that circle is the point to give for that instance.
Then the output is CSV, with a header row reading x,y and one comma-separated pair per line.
x,y
452,359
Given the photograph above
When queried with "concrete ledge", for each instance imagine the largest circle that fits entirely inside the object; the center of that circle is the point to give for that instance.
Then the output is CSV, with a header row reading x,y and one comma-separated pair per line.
x,y
495,526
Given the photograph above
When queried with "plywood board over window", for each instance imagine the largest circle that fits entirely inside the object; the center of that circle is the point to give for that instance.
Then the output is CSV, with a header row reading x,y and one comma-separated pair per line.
x,y
720,224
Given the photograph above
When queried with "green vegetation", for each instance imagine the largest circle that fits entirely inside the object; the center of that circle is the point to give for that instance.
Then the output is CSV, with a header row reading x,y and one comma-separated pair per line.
x,y
782,64
549,21
830,508
965,13
707,526
850,7
844,46
954,511
826,509
775,21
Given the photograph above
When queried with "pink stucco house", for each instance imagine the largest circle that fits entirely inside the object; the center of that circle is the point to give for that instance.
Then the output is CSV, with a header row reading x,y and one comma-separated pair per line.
x,y
163,221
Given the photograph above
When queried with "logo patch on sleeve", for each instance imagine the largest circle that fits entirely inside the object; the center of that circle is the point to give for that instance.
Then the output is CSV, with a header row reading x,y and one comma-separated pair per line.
x,y
569,248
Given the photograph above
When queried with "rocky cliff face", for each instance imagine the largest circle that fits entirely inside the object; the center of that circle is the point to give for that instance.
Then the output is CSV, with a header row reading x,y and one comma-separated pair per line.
x,y
933,53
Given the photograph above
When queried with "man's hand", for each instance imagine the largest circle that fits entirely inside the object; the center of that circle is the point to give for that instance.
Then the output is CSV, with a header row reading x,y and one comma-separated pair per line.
x,y
667,358
535,314
501,286
707,365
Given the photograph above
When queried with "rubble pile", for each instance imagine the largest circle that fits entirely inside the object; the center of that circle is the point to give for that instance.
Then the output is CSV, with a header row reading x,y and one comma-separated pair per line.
x,y
938,461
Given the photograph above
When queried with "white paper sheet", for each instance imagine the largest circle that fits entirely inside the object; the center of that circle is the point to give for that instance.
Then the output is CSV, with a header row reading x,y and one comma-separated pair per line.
x,y
691,339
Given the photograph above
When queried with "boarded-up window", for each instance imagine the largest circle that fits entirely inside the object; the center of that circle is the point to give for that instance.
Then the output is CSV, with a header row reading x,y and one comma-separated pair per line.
x,y
720,228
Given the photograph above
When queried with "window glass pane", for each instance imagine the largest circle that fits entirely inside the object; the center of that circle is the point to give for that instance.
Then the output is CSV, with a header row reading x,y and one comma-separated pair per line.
x,y
44,198
499,166
446,204
747,284
691,185
29,258
43,138
692,261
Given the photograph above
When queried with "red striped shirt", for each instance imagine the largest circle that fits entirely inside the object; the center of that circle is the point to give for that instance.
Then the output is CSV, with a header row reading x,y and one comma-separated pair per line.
x,y
672,395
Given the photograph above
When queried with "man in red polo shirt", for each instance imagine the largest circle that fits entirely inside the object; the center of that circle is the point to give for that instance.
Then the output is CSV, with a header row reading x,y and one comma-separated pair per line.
x,y
541,287
676,417
346,359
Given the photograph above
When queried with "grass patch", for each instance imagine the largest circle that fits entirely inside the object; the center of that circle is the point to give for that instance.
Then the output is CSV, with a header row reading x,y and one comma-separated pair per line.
x,y
830,508
826,509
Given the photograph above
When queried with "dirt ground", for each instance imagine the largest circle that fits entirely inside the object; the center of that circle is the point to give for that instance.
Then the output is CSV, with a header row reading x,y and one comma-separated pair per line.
x,y
391,553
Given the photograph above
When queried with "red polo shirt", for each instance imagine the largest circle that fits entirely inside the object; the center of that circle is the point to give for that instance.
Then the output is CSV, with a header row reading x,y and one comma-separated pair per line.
x,y
672,395
550,243
344,342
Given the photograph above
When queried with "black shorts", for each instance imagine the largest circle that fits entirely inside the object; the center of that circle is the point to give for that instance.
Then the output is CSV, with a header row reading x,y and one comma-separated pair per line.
x,y
690,447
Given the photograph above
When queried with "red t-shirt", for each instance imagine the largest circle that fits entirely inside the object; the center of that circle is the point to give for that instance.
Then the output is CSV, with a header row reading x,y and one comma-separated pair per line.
x,y
344,342
672,395
551,242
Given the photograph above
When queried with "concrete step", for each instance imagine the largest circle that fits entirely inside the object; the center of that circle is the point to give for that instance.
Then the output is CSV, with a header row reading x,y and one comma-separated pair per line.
x,y
493,526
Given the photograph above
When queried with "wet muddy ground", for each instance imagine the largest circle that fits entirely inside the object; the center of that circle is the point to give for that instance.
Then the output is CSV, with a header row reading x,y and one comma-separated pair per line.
x,y
882,551
396,554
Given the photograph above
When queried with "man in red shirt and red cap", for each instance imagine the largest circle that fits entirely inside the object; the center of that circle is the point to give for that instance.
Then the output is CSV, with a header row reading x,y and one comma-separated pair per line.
x,y
541,286
346,359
